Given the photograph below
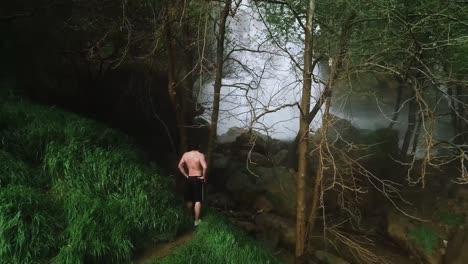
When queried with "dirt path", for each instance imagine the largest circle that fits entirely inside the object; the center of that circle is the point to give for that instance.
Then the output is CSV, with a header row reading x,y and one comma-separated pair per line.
x,y
163,249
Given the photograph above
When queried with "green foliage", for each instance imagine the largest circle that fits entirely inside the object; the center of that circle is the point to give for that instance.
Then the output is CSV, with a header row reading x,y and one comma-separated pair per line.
x,y
13,171
425,238
29,225
216,242
451,219
74,191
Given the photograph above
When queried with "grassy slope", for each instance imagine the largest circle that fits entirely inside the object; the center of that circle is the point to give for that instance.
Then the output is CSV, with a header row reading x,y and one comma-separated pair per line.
x,y
74,191
216,241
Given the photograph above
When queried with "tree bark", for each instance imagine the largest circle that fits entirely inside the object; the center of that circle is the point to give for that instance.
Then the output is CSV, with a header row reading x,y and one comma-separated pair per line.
x,y
218,80
410,128
304,134
338,63
176,92
417,133
396,111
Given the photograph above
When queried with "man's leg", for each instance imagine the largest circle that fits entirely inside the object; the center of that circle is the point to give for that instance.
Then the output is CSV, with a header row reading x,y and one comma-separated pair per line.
x,y
198,201
197,209
189,205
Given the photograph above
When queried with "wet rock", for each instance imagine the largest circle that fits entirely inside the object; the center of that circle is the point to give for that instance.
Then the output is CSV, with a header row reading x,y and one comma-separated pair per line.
x,y
262,205
247,226
457,248
220,200
280,157
277,184
270,239
420,238
231,135
274,223
285,256
220,161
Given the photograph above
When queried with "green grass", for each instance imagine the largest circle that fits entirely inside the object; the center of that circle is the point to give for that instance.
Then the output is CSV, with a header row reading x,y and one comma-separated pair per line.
x,y
216,241
74,191
424,237
30,225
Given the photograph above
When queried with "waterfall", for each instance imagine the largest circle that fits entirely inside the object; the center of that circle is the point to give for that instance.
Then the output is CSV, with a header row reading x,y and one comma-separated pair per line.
x,y
259,77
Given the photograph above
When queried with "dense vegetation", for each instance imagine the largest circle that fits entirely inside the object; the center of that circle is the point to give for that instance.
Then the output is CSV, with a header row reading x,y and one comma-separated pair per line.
x,y
73,191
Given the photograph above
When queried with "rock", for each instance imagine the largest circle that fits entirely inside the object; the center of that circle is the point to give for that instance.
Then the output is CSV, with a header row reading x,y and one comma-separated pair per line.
x,y
421,239
220,200
220,161
253,158
281,157
277,184
240,181
270,239
280,188
262,205
285,256
247,226
274,223
341,129
457,248
231,135
329,258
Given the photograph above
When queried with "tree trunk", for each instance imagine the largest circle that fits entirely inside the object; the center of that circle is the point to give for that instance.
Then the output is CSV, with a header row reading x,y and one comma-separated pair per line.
x,y
304,135
417,133
218,80
345,38
176,93
410,128
396,111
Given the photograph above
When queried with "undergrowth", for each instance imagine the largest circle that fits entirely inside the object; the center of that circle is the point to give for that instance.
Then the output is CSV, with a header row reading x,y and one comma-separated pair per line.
x,y
217,241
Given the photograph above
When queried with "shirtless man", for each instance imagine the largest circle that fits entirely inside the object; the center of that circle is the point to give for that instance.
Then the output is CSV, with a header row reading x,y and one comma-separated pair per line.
x,y
195,163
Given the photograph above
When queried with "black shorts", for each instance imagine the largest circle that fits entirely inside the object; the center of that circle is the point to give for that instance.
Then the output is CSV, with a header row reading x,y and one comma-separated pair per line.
x,y
194,189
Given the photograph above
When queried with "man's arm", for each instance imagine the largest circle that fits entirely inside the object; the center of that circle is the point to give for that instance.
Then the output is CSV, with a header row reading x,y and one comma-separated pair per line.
x,y
203,164
181,166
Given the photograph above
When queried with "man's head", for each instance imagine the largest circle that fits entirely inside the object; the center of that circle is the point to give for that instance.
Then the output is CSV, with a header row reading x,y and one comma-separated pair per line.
x,y
193,146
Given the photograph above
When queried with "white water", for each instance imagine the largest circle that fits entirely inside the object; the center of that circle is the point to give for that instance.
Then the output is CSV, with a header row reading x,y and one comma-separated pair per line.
x,y
267,80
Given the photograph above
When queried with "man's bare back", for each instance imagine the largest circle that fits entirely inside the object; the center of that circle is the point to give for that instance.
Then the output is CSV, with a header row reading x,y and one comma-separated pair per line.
x,y
195,163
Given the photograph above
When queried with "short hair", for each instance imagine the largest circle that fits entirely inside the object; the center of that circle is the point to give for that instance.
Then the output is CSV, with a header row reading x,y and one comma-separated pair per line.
x,y
193,146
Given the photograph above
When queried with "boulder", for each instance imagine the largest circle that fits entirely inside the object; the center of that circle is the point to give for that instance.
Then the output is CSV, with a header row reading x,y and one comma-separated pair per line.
x,y
285,228
422,239
247,226
231,135
220,200
269,238
220,161
280,157
457,248
277,185
262,205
